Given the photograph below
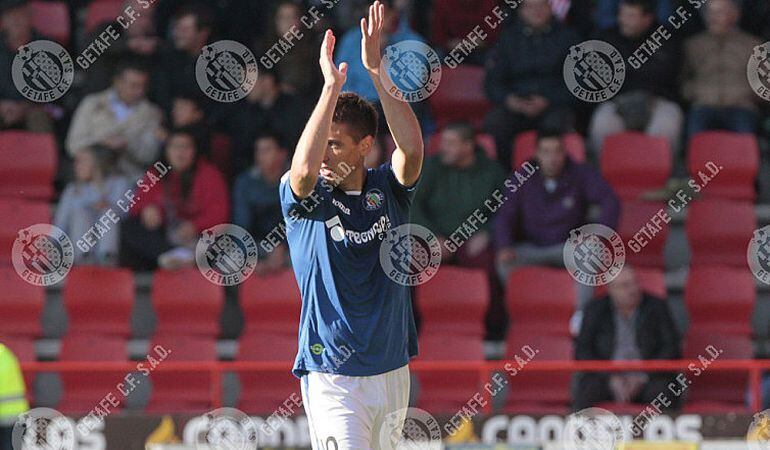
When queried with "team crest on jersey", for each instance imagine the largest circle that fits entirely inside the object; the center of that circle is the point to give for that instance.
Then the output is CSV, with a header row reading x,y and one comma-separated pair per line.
x,y
373,199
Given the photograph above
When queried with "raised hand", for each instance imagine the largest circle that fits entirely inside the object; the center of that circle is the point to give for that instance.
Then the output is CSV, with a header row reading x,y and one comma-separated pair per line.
x,y
333,76
371,33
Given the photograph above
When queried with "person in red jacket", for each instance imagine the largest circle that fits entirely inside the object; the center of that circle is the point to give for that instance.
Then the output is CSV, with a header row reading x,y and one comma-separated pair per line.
x,y
166,221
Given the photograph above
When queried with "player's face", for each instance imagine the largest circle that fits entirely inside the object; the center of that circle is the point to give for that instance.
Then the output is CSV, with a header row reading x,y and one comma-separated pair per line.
x,y
550,156
343,150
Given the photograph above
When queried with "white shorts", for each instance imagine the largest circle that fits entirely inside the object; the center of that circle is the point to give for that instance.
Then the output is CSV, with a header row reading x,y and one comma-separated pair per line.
x,y
351,413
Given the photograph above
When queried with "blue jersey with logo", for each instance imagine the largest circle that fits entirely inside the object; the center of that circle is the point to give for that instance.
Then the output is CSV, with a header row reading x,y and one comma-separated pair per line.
x,y
355,320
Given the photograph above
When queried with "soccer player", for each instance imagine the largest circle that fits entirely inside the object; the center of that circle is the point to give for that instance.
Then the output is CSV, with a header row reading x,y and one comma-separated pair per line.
x,y
357,331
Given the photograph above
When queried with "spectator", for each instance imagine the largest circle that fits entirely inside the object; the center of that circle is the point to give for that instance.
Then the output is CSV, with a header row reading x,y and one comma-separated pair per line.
x,y
137,42
297,69
524,76
85,200
166,223
607,12
121,119
191,30
187,112
647,100
20,114
715,73
576,13
626,325
256,204
15,31
533,225
453,185
265,108
452,21
394,30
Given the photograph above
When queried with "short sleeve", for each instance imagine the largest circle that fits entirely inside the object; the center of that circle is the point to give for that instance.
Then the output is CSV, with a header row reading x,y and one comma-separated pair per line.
x,y
294,208
404,194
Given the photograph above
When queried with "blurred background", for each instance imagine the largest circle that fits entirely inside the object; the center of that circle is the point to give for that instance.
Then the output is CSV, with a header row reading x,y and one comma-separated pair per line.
x,y
676,163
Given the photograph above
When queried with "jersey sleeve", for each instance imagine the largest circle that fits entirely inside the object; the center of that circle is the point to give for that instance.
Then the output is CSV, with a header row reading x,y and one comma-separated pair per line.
x,y
404,194
294,208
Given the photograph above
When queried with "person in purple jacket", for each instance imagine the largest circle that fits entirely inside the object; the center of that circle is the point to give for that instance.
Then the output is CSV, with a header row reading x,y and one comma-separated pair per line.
x,y
533,225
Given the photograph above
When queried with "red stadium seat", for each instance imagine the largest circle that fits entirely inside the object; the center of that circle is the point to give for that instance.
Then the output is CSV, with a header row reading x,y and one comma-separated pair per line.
x,y
651,280
720,298
99,300
83,390
637,218
460,96
540,299
454,301
265,391
485,141
448,391
185,303
526,143
271,303
51,19
719,231
15,215
182,391
737,156
716,392
102,12
20,305
28,166
545,392
634,163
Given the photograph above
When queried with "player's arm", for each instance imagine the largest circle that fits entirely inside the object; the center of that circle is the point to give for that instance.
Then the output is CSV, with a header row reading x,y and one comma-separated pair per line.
x,y
403,125
311,147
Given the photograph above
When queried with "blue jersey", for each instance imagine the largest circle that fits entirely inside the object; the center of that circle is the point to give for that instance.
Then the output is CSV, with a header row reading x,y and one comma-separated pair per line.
x,y
355,320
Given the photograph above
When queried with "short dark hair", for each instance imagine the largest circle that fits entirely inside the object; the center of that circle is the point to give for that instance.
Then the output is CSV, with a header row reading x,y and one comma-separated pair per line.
x,y
270,134
647,6
358,114
191,131
204,18
191,97
124,65
549,133
464,129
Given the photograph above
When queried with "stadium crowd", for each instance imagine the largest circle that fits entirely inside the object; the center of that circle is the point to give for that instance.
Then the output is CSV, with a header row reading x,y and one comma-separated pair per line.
x,y
139,103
